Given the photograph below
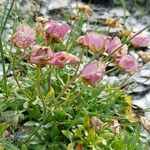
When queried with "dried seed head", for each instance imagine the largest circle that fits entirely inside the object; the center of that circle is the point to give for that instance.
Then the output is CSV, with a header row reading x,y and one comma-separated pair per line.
x,y
145,56
87,10
113,22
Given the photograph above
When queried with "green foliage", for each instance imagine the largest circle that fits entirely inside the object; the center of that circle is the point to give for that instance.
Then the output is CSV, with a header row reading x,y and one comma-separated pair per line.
x,y
67,121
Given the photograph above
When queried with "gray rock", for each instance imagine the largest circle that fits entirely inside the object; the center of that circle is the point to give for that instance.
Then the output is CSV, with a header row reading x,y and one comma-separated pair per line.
x,y
57,4
147,115
111,80
146,66
145,73
141,89
148,98
119,12
134,54
141,103
147,82
136,77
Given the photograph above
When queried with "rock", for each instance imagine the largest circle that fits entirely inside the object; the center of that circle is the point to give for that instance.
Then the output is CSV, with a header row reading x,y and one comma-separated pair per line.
x,y
57,4
134,54
148,98
111,80
144,102
145,73
119,12
147,82
147,115
136,77
141,103
141,89
102,2
146,66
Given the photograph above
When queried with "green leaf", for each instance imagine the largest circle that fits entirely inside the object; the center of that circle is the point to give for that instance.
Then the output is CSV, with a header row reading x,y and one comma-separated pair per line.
x,y
91,136
78,131
86,121
24,147
1,147
50,94
34,112
67,134
3,127
71,146
107,135
7,145
118,144
15,121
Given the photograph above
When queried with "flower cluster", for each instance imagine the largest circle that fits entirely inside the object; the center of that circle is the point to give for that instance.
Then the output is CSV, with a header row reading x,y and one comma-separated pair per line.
x,y
99,44
44,55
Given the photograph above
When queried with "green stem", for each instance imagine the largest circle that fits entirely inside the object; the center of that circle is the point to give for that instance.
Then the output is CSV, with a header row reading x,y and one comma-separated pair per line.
x,y
38,77
5,21
122,84
38,73
71,81
15,77
70,35
78,65
4,69
1,48
111,70
49,78
36,129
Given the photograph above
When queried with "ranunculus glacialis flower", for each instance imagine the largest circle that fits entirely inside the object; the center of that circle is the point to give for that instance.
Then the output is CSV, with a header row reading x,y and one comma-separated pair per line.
x,y
93,73
128,63
94,41
24,36
56,30
60,59
140,40
41,56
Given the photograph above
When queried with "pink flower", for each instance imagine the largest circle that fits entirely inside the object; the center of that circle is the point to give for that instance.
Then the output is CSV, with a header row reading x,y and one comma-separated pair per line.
x,y
111,44
140,40
40,56
128,63
24,36
94,41
93,73
60,59
56,30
